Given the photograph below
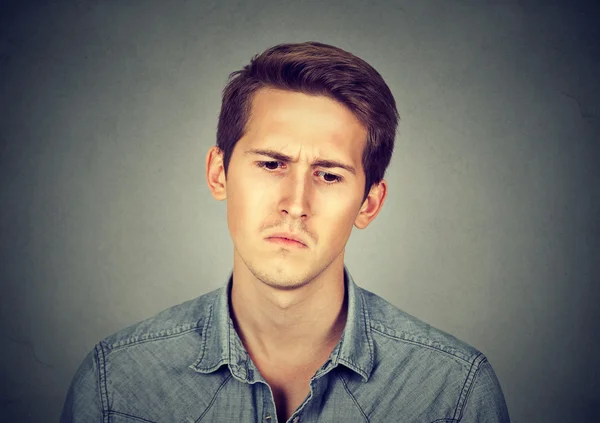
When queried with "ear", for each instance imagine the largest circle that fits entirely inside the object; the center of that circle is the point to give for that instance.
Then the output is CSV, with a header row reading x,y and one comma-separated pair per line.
x,y
372,205
215,173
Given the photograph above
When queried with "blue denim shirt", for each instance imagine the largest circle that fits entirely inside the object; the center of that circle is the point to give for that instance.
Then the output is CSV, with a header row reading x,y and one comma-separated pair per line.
x,y
187,364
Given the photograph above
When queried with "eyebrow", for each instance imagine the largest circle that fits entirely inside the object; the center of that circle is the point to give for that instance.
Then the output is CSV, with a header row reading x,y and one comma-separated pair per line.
x,y
285,158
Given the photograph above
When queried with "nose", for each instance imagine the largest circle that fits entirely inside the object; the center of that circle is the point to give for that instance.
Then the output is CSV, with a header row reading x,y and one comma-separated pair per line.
x,y
295,197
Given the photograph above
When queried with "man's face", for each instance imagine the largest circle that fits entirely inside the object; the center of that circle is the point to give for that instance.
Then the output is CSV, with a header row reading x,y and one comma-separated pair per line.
x,y
266,195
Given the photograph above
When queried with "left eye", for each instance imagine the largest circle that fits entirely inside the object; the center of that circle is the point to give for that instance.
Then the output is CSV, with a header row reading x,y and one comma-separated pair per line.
x,y
333,178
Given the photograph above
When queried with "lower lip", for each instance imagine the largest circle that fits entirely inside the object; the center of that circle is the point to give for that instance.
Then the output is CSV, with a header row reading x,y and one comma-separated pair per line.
x,y
288,242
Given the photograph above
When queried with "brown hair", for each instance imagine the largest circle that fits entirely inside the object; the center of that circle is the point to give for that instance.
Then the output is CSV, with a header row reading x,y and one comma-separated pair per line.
x,y
315,69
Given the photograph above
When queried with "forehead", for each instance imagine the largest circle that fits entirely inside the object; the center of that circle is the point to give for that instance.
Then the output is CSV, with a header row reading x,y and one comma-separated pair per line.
x,y
292,120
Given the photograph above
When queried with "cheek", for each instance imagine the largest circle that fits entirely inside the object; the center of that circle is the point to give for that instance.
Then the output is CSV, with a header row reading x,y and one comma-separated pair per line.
x,y
244,206
338,219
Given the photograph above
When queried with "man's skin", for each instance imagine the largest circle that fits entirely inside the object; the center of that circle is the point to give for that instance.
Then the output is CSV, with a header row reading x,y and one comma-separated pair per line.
x,y
287,300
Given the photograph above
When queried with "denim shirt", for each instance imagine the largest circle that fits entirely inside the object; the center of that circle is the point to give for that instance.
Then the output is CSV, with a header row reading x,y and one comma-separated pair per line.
x,y
187,364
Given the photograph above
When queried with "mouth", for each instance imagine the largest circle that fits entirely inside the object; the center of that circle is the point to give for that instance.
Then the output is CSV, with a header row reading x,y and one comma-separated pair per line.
x,y
286,241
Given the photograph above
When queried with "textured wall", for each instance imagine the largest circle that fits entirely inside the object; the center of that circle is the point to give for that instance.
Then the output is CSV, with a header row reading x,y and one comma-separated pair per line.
x,y
490,230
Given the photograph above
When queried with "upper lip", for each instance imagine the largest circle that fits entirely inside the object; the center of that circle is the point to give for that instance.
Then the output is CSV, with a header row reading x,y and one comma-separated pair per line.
x,y
288,236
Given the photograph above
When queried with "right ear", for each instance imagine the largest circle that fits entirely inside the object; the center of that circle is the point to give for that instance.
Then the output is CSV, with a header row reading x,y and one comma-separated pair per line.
x,y
215,173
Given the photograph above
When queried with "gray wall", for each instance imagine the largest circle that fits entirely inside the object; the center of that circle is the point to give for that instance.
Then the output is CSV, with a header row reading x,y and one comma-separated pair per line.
x,y
490,230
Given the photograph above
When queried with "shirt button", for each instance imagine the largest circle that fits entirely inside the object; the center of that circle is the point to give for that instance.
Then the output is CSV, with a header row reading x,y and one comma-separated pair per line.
x,y
296,419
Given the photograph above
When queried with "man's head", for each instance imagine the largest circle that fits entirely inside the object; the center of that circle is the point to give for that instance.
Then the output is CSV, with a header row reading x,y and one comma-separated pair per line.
x,y
335,119
315,69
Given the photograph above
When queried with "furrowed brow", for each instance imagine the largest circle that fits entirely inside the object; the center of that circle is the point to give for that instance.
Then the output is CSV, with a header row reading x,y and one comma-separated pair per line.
x,y
333,164
285,158
270,153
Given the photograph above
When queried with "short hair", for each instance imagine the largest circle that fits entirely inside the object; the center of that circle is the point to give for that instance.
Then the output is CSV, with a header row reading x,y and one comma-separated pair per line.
x,y
315,69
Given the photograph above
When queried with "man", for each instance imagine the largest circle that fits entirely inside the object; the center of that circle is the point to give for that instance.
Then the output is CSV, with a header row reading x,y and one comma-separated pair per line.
x,y
305,134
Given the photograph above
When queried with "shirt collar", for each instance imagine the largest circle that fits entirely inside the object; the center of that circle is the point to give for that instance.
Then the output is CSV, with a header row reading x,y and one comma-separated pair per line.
x,y
221,344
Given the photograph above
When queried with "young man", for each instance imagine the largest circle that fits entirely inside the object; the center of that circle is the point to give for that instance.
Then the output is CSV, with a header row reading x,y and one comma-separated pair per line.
x,y
305,134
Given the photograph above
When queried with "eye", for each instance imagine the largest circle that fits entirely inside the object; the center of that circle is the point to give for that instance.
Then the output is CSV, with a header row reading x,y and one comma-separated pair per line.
x,y
330,178
335,178
268,165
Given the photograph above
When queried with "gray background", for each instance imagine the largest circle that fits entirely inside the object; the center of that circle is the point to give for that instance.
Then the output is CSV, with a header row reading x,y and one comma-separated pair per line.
x,y
490,230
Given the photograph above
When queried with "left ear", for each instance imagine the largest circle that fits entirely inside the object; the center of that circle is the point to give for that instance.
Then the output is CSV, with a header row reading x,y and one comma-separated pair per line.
x,y
372,205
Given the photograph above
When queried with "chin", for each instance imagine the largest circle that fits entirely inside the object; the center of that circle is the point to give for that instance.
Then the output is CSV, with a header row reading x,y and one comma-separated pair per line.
x,y
284,276
285,285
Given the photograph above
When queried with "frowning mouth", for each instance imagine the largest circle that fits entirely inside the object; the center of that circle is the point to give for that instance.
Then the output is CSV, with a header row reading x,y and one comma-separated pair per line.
x,y
286,241
288,236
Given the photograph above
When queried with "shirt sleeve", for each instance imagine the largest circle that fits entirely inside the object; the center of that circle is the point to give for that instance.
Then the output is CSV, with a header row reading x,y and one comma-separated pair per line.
x,y
485,401
83,402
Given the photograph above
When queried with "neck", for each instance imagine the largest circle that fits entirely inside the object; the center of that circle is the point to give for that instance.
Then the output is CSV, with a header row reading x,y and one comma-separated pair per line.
x,y
289,325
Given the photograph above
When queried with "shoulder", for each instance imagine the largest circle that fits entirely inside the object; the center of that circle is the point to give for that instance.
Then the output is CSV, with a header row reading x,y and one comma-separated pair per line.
x,y
127,371
175,321
428,373
407,332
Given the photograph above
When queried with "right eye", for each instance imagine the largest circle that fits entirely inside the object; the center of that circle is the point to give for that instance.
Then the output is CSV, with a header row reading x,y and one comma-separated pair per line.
x,y
267,165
